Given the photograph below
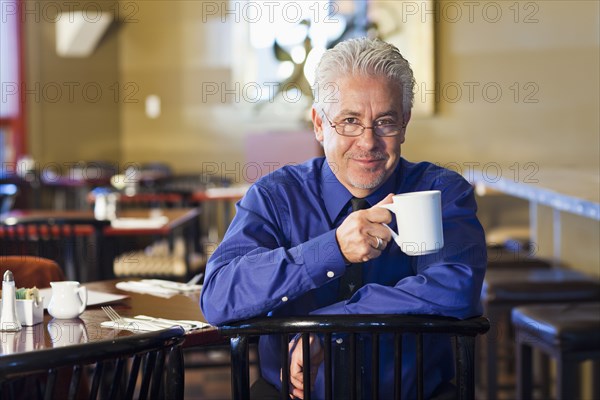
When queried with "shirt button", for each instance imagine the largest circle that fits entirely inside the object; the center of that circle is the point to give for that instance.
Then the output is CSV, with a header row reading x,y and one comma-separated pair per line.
x,y
284,299
330,274
339,341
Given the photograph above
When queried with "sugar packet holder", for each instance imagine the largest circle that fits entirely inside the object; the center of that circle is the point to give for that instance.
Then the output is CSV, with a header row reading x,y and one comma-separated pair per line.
x,y
30,312
29,306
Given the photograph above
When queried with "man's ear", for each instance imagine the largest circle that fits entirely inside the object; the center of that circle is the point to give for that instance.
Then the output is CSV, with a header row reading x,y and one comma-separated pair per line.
x,y
317,125
406,120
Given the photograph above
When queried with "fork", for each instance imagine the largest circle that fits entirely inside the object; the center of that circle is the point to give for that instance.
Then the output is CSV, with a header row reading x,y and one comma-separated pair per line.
x,y
130,322
113,315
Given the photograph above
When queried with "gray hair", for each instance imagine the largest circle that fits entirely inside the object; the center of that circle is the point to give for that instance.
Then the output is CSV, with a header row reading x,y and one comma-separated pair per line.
x,y
367,57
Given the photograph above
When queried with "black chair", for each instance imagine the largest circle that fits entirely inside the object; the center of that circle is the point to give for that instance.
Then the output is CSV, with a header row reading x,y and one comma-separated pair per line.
x,y
8,193
463,332
506,288
568,332
147,365
74,243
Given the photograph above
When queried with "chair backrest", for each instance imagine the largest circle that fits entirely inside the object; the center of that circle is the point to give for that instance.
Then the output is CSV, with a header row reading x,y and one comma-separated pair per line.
x,y
73,243
147,365
30,271
463,331
186,184
8,193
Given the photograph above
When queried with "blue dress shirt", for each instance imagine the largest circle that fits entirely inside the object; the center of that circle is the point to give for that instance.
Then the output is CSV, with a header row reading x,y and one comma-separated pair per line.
x,y
280,257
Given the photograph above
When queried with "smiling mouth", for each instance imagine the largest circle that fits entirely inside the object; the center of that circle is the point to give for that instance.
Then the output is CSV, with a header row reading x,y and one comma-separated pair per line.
x,y
369,161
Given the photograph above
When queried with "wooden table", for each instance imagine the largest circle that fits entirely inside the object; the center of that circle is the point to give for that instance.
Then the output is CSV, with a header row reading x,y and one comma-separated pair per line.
x,y
216,205
176,217
54,332
176,220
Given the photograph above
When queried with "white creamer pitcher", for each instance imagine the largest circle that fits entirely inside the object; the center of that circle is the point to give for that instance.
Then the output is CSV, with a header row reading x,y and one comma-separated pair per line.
x,y
68,299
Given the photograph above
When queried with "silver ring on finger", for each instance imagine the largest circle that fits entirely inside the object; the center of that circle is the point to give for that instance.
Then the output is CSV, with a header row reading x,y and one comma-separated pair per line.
x,y
379,243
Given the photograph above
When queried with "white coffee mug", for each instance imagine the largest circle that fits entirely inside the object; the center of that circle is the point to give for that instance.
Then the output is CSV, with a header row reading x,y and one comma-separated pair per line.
x,y
419,221
68,300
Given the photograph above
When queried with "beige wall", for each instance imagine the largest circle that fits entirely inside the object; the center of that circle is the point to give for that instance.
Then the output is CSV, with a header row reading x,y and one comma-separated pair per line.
x,y
553,120
163,53
72,113
177,50
545,65
172,49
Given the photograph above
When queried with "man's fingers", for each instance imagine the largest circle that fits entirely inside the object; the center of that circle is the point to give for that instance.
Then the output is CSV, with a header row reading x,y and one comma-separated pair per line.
x,y
297,385
298,393
296,364
297,380
386,200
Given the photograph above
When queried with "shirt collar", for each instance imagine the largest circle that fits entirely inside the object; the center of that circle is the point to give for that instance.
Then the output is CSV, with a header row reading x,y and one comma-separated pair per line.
x,y
336,196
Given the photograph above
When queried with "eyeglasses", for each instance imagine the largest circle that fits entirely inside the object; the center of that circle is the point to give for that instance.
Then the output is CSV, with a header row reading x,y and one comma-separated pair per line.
x,y
384,128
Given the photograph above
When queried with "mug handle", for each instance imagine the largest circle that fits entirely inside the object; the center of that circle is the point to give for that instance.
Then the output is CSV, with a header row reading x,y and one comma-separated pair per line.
x,y
83,295
394,234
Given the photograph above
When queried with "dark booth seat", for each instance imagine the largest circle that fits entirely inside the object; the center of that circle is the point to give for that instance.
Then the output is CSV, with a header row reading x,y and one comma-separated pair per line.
x,y
568,333
506,288
537,285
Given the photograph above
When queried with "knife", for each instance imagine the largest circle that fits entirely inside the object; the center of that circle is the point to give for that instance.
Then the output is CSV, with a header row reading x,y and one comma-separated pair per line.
x,y
186,324
181,287
133,325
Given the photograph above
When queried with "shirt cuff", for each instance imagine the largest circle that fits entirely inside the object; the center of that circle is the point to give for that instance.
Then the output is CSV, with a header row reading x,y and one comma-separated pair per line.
x,y
323,258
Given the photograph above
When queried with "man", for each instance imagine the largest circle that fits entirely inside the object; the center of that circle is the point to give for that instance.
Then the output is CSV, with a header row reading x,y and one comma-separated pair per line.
x,y
295,236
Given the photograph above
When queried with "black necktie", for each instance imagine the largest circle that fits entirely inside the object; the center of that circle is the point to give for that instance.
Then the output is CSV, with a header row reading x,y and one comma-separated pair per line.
x,y
351,281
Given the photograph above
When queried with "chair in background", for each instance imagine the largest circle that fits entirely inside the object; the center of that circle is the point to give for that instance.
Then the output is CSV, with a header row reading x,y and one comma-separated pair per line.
x,y
8,193
75,244
146,365
187,184
507,258
144,177
506,288
30,271
566,332
463,332
67,190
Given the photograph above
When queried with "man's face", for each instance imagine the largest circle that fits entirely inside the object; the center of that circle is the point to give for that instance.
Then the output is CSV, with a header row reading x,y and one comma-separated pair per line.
x,y
363,163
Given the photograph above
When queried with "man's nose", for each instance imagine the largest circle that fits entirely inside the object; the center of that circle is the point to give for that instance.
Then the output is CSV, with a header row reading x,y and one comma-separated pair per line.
x,y
368,139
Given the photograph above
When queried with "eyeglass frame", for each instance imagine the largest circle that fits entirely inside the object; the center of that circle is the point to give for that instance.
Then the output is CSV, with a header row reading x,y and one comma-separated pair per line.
x,y
362,130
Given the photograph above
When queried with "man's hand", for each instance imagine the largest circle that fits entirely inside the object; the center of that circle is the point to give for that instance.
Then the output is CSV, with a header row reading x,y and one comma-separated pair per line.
x,y
357,235
296,365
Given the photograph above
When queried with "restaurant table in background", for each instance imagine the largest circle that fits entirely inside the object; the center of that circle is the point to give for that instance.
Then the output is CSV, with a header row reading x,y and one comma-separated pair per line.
x,y
87,328
133,223
164,223
573,191
216,206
